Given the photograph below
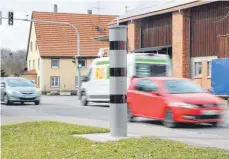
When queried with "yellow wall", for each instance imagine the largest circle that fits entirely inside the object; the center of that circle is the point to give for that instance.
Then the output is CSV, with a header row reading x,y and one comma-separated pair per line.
x,y
66,71
34,54
85,70
203,80
31,77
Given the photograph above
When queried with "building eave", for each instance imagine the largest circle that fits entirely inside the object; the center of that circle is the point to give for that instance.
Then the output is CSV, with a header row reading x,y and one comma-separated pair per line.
x,y
159,12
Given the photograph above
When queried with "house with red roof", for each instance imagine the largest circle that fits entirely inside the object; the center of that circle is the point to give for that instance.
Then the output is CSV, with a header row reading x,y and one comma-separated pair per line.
x,y
52,47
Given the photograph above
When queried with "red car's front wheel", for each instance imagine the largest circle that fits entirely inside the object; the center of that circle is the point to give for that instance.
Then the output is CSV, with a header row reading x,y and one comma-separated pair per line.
x,y
169,119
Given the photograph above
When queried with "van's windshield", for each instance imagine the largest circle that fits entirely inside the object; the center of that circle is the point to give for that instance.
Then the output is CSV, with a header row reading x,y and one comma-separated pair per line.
x,y
150,70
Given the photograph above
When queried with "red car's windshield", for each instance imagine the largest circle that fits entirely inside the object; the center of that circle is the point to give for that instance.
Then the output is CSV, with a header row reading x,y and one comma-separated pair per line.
x,y
182,87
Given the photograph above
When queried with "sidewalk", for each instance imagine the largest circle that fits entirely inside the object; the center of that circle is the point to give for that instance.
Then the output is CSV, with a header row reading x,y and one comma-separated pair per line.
x,y
198,139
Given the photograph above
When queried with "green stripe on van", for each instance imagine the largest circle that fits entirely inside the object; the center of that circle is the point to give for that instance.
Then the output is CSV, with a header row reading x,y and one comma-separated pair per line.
x,y
108,72
102,63
151,60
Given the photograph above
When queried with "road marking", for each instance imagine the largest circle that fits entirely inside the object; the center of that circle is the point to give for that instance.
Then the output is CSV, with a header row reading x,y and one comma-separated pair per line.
x,y
150,126
202,133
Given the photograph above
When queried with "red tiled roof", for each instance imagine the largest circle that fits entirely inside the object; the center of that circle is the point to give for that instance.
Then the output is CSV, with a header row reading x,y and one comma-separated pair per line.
x,y
30,72
60,40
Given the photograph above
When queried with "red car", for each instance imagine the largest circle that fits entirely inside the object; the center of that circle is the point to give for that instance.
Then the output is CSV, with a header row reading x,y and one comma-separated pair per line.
x,y
173,101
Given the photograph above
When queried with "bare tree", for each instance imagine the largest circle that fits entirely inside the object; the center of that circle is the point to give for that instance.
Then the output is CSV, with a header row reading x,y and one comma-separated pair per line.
x,y
13,62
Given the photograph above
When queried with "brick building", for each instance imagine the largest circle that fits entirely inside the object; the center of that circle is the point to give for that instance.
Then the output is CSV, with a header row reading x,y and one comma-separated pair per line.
x,y
191,32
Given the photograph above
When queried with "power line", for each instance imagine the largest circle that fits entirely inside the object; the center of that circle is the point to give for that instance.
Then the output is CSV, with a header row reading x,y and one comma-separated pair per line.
x,y
159,3
222,18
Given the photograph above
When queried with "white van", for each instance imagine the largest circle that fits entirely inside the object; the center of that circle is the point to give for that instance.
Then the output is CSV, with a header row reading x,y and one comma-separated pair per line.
x,y
95,86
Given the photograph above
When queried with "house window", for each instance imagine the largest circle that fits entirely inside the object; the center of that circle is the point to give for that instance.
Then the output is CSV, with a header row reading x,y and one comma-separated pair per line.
x,y
31,46
55,81
38,63
55,63
33,63
198,68
29,64
36,46
209,68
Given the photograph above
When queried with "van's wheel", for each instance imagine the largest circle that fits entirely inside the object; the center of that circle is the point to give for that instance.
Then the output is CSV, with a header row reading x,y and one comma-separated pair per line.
x,y
130,117
6,100
168,119
84,99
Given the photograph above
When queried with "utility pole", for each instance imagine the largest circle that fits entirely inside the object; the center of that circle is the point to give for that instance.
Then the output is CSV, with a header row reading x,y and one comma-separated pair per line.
x,y
126,8
98,8
118,80
77,45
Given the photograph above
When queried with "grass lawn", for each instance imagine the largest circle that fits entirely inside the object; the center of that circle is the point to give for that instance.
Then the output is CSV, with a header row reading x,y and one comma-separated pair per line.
x,y
53,140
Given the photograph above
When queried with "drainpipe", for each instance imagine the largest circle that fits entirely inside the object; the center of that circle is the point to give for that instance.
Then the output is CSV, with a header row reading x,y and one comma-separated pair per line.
x,y
189,45
189,50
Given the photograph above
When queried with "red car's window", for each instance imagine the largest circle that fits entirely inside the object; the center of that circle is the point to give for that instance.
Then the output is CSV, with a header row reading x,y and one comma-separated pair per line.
x,y
182,87
146,86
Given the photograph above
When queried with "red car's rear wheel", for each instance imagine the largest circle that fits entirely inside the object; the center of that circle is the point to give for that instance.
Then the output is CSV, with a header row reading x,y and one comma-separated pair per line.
x,y
130,117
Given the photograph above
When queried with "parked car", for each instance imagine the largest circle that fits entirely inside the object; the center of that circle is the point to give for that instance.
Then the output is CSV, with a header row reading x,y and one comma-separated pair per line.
x,y
17,89
173,101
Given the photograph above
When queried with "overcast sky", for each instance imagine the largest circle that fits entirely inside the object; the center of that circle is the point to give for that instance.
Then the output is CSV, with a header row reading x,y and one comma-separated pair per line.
x,y
16,37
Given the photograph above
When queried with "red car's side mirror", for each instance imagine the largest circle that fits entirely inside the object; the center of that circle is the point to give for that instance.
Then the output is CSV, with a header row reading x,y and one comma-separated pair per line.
x,y
156,93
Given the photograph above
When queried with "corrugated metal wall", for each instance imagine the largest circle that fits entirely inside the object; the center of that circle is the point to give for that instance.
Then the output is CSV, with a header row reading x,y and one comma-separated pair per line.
x,y
223,46
156,31
206,25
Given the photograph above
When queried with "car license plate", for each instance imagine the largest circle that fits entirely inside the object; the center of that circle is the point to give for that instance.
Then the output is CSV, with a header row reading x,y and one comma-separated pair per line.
x,y
26,96
209,112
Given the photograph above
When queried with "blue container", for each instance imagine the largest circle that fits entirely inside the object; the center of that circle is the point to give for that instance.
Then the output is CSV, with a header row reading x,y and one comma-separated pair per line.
x,y
220,76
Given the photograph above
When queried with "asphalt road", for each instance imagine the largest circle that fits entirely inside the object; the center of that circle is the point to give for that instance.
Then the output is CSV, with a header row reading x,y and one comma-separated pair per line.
x,y
68,106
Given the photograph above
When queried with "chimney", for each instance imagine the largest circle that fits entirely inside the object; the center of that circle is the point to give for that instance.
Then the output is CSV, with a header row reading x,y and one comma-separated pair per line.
x,y
55,8
89,11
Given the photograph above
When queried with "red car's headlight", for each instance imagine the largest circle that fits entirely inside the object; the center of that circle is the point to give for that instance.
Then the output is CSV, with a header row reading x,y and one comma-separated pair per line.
x,y
183,105
222,105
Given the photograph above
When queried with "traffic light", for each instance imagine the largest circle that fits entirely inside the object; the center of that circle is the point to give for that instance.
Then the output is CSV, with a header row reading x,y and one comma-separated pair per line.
x,y
74,60
11,18
81,61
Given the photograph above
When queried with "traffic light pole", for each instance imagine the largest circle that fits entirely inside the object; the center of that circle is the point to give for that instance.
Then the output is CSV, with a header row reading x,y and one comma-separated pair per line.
x,y
78,42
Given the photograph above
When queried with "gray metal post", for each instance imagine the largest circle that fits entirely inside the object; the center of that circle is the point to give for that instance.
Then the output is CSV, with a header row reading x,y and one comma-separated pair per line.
x,y
118,80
